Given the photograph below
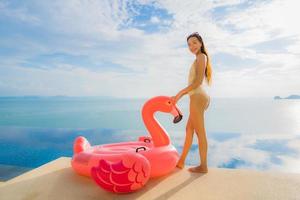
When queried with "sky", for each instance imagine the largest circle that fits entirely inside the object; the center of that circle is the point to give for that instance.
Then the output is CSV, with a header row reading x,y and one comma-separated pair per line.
x,y
138,49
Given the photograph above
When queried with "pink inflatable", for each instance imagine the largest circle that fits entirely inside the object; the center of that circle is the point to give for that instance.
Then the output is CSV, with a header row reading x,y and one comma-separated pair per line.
x,y
127,166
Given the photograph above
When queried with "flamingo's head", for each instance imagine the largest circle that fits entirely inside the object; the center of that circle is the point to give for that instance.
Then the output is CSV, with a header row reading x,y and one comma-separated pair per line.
x,y
175,111
167,105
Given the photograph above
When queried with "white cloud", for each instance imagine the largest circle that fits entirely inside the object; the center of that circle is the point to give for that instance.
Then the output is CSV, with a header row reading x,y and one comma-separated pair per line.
x,y
92,28
20,14
154,19
241,148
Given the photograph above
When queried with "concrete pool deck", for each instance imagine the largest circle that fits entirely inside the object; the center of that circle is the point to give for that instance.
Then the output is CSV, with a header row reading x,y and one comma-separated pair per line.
x,y
57,180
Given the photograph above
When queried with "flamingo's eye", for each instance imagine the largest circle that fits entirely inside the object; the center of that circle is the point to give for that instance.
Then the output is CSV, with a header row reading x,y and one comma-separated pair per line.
x,y
169,102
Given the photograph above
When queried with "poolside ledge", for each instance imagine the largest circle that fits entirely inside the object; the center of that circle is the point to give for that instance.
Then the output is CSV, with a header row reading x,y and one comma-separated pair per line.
x,y
56,180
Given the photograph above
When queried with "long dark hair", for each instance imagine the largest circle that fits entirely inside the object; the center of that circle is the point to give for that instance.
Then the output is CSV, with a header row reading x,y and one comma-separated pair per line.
x,y
208,70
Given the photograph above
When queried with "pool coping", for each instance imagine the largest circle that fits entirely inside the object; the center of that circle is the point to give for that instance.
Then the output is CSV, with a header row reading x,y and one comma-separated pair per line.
x,y
56,179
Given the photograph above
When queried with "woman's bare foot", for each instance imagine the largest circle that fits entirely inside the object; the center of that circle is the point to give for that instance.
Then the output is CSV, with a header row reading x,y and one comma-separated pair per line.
x,y
180,164
199,169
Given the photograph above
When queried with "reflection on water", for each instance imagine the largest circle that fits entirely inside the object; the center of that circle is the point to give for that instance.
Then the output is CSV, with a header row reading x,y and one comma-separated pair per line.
x,y
260,134
293,115
25,148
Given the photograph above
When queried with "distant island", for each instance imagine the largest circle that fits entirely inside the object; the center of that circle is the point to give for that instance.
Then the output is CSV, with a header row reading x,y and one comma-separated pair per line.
x,y
293,96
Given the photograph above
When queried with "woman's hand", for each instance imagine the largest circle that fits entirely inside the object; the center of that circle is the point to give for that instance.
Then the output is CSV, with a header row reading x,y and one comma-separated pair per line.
x,y
176,98
173,98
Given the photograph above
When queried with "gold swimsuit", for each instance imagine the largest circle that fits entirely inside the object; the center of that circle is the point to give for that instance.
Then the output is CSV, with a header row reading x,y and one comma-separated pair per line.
x,y
199,89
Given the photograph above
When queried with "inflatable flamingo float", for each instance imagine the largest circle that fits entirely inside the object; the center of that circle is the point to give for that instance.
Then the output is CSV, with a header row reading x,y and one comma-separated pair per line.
x,y
127,166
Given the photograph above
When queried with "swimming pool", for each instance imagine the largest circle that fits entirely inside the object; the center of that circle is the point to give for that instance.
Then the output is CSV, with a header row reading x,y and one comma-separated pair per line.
x,y
254,133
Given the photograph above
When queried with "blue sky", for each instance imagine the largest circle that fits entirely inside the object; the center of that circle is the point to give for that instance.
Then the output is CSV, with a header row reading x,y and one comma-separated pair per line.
x,y
138,48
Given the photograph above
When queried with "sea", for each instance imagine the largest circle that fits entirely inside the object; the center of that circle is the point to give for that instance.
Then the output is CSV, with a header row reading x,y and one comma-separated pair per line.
x,y
253,133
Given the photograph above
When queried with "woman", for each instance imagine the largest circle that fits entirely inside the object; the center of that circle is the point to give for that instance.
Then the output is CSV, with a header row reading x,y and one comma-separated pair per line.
x,y
199,102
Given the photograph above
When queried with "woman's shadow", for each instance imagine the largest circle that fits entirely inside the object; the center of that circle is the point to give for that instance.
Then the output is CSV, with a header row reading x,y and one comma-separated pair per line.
x,y
169,193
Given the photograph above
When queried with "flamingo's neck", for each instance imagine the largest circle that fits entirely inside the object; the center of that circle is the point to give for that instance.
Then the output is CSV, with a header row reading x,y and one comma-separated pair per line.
x,y
159,135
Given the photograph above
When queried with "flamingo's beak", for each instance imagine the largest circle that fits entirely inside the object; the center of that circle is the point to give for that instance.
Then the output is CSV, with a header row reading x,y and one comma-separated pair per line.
x,y
177,114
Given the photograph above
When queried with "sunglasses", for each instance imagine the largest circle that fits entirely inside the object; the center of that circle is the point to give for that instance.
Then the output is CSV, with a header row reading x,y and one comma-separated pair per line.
x,y
194,33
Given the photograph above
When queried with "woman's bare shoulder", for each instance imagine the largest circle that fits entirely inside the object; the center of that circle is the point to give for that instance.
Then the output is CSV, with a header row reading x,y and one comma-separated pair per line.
x,y
202,56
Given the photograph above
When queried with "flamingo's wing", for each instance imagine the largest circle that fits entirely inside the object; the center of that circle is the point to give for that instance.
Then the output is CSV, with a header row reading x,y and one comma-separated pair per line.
x,y
126,175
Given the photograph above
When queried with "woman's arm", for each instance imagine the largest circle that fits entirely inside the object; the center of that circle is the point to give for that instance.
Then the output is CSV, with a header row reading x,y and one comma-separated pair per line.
x,y
200,66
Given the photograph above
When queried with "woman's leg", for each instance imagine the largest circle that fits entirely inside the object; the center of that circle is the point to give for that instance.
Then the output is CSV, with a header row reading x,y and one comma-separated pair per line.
x,y
199,105
189,133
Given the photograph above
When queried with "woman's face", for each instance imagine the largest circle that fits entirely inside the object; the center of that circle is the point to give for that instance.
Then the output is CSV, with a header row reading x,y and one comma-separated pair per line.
x,y
194,44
